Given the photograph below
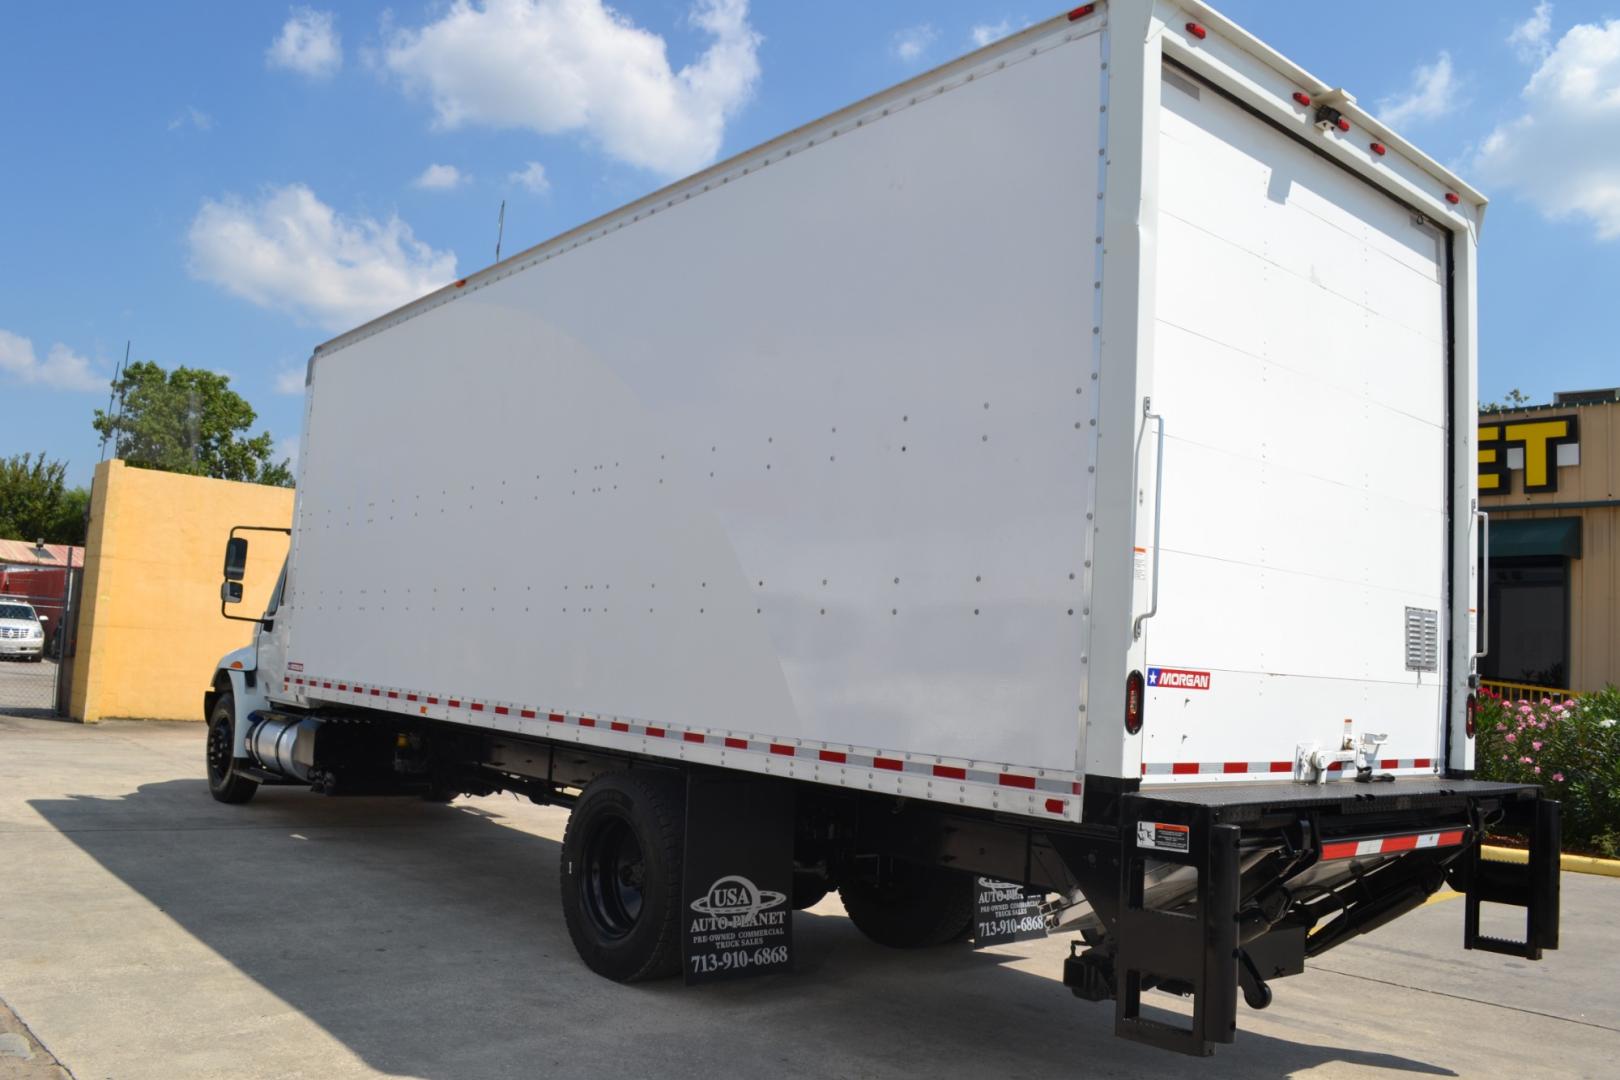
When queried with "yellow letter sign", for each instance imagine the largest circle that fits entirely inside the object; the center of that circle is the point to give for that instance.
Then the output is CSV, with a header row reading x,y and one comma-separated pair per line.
x,y
1539,438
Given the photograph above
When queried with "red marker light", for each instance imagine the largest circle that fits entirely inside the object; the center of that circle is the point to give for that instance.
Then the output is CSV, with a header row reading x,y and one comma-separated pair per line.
x,y
1342,124
1302,98
1197,31
1452,198
1471,714
1377,148
1082,11
1135,688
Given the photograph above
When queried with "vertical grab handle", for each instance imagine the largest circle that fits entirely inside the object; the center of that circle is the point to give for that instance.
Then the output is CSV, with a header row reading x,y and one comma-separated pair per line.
x,y
1158,501
1484,520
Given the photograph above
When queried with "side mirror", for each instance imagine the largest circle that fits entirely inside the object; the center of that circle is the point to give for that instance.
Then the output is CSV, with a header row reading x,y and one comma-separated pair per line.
x,y
236,550
230,592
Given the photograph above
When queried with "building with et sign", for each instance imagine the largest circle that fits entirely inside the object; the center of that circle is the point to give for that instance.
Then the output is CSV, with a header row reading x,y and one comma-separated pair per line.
x,y
1548,478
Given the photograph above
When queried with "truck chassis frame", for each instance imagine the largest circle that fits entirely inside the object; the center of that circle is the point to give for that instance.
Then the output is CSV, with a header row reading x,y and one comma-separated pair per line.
x,y
1266,876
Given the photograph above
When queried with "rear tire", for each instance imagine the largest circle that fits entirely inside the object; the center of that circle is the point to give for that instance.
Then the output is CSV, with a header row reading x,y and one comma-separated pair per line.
x,y
621,875
911,906
224,782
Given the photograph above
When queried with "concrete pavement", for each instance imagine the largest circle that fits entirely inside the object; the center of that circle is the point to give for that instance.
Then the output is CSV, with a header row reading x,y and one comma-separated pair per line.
x,y
147,931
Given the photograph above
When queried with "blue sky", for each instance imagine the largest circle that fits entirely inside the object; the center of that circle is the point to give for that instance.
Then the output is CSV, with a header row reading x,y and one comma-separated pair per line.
x,y
228,185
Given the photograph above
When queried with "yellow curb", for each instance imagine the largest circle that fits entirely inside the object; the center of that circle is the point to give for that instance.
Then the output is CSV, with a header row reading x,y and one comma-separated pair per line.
x,y
1440,897
1570,864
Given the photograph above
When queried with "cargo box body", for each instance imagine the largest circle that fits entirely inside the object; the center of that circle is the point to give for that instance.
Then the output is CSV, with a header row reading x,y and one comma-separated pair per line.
x,y
840,461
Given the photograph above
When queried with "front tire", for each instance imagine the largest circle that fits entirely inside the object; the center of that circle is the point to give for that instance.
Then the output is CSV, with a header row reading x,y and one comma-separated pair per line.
x,y
911,906
621,875
224,782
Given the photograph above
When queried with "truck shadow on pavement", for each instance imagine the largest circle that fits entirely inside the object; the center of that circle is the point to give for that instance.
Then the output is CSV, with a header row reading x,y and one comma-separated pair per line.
x,y
429,941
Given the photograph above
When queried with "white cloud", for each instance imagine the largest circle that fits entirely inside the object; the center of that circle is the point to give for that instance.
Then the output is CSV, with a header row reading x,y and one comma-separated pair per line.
x,y
290,381
441,178
308,44
558,66
62,368
1433,93
910,43
1529,38
194,117
291,252
985,33
286,449
1563,153
532,176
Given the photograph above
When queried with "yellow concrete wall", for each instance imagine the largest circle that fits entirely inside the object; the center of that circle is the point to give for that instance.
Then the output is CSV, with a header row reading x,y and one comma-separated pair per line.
x,y
150,628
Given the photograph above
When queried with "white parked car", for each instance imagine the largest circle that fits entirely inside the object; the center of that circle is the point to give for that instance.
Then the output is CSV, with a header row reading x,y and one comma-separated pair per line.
x,y
22,631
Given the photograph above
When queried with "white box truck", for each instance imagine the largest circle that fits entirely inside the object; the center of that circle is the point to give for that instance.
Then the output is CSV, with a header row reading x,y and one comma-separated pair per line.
x,y
1058,469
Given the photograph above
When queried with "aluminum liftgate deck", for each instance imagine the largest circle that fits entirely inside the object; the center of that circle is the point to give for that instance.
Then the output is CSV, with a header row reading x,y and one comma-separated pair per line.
x,y
1209,949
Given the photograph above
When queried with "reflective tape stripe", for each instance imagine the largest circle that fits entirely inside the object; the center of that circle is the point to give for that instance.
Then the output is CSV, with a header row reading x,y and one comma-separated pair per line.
x,y
1017,788
1390,845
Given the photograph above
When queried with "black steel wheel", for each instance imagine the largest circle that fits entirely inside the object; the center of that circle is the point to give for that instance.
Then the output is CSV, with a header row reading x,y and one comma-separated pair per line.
x,y
621,875
908,906
224,782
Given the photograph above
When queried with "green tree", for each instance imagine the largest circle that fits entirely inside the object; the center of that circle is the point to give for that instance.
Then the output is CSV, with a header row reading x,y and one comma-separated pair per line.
x,y
188,421
68,525
37,504
1516,399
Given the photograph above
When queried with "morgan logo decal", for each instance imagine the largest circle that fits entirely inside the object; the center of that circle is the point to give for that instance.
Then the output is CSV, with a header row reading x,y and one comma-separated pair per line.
x,y
1169,678
293,665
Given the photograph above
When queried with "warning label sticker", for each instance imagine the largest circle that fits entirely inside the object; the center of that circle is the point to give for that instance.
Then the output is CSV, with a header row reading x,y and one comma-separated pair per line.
x,y
1162,836
1169,678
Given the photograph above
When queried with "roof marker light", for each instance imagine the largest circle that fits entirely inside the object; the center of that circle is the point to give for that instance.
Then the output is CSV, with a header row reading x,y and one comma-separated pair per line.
x,y
1197,31
1453,198
1082,11
1342,124
1377,148
1302,98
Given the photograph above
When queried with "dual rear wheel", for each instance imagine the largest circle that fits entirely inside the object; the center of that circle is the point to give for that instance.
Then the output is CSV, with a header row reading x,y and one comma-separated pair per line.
x,y
621,874
621,883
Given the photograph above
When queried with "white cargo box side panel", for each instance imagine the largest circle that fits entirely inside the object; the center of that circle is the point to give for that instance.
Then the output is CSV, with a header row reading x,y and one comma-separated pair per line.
x,y
803,461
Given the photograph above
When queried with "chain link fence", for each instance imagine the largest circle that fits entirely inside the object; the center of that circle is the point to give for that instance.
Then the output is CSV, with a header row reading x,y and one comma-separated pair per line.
x,y
36,638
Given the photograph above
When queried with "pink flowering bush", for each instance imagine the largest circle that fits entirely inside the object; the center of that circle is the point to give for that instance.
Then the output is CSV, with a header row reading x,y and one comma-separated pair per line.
x,y
1572,749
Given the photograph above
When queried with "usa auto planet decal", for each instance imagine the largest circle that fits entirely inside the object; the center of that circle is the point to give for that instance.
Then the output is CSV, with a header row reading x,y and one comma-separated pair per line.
x,y
738,926
1169,678
1004,911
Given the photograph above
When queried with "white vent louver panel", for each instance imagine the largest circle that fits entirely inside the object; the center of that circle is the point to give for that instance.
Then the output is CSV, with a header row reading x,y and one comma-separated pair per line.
x,y
1422,639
